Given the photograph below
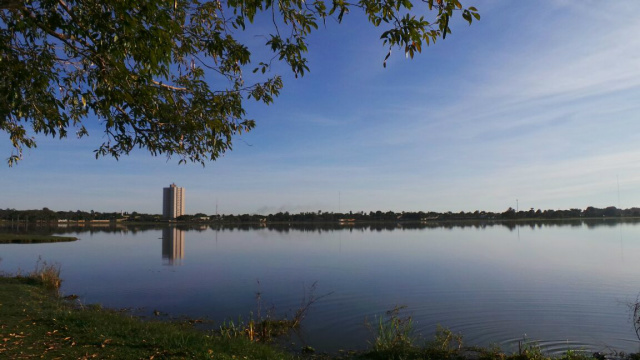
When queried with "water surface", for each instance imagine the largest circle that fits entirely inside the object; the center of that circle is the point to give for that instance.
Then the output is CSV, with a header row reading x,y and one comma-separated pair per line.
x,y
565,285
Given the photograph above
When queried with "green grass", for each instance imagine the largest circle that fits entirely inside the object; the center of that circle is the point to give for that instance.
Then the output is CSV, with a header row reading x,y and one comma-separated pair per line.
x,y
6,238
393,333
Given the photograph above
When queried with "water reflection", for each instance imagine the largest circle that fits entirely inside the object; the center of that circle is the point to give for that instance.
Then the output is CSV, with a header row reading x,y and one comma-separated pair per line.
x,y
320,227
172,246
559,282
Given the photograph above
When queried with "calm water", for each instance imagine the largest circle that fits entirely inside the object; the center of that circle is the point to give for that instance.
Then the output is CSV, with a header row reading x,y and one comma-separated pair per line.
x,y
563,285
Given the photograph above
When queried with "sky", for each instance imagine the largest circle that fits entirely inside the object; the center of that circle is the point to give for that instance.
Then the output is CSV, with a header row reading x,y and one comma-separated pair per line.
x,y
534,106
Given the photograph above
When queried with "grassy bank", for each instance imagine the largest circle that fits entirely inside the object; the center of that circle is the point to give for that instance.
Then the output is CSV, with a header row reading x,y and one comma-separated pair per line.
x,y
33,238
36,323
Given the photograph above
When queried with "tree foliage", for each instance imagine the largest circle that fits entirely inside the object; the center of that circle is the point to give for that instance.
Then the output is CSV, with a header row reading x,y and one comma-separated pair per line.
x,y
167,75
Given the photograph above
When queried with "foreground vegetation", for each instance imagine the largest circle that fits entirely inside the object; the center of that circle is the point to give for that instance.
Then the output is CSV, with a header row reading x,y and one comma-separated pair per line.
x,y
395,339
38,323
33,238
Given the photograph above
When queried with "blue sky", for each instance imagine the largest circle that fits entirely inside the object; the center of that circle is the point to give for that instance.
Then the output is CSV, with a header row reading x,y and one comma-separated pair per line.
x,y
538,101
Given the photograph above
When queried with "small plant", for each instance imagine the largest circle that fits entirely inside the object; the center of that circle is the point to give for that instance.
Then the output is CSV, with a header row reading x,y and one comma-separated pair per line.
x,y
230,330
393,332
635,313
492,352
395,339
264,328
308,299
529,349
446,340
47,274
255,329
577,355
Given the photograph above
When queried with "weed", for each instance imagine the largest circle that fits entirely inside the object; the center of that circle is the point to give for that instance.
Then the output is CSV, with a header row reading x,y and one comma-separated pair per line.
x,y
395,339
446,340
393,332
576,355
266,327
493,352
308,299
256,329
635,312
230,330
530,350
47,274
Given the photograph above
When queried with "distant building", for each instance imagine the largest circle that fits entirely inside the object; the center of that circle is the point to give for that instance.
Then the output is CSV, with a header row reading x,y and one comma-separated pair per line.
x,y
172,202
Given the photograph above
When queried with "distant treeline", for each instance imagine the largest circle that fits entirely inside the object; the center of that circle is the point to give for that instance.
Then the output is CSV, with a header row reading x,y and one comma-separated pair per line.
x,y
47,215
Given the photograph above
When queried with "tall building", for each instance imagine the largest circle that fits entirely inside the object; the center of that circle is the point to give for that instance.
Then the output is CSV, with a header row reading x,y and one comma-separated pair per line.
x,y
172,202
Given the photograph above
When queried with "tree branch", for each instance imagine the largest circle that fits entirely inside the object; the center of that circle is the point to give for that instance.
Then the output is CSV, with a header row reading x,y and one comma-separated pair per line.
x,y
169,86
68,11
62,37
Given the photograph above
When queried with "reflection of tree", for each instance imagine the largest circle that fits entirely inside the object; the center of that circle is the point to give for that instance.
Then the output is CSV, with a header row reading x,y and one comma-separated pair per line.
x,y
321,227
172,245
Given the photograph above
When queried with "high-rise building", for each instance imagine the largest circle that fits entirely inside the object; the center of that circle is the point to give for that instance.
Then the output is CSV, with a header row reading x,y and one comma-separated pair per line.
x,y
172,202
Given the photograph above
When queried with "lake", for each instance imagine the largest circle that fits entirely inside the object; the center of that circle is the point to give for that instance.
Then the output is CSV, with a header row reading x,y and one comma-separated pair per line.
x,y
561,284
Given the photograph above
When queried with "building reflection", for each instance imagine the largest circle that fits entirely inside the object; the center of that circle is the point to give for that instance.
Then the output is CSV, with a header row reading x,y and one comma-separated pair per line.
x,y
172,246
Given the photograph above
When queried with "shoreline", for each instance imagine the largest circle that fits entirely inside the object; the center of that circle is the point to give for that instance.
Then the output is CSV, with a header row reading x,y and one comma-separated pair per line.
x,y
38,321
